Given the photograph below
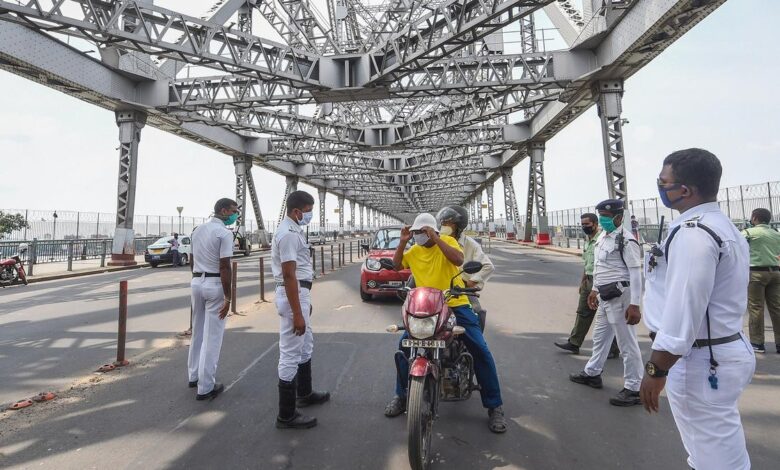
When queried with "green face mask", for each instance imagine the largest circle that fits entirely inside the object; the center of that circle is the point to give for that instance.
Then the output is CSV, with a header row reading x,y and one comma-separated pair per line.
x,y
231,219
608,223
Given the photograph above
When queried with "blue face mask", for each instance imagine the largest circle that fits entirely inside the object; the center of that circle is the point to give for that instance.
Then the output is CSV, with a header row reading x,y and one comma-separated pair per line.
x,y
663,192
307,216
231,219
608,223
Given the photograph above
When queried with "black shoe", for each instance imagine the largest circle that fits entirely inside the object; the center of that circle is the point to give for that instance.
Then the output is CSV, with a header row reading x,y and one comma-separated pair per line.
x,y
307,396
192,384
496,420
567,346
625,397
585,379
298,421
396,407
613,355
759,348
288,417
218,388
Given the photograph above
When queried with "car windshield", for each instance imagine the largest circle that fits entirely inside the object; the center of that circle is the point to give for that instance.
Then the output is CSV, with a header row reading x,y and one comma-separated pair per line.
x,y
162,241
388,239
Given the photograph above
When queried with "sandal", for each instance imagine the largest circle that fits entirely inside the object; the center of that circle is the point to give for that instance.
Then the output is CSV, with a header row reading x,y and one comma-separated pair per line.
x,y
496,420
20,404
44,396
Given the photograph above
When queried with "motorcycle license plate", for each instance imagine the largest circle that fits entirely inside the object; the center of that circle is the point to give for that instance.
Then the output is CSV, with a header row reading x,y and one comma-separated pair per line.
x,y
423,343
155,257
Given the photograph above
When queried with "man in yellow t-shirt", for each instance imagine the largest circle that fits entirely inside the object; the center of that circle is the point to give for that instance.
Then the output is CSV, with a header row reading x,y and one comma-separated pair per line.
x,y
434,260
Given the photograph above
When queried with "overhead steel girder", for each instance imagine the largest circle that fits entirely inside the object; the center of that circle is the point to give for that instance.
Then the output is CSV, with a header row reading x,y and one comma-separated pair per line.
x,y
444,29
158,33
298,26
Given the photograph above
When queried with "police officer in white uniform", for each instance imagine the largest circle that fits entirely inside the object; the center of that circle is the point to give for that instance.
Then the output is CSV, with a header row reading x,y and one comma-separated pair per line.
x,y
292,269
617,292
212,249
699,342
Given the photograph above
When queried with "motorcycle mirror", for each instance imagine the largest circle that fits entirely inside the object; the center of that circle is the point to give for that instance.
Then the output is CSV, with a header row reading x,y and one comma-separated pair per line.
x,y
392,328
387,264
458,330
472,267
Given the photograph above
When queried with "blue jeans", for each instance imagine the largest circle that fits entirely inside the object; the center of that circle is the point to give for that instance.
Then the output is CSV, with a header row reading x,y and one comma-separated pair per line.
x,y
484,365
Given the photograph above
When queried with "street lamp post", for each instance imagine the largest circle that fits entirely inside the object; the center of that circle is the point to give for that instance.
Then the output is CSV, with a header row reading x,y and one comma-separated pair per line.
x,y
54,230
180,208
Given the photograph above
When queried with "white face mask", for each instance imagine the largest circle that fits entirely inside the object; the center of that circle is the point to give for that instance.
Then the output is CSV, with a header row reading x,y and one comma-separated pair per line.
x,y
421,238
307,216
446,230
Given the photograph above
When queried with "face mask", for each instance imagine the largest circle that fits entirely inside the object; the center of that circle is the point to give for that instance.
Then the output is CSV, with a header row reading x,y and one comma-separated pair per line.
x,y
608,223
231,219
421,238
588,230
664,193
446,230
307,216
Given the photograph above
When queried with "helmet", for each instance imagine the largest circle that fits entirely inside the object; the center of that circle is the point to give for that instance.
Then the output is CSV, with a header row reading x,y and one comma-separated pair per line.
x,y
455,214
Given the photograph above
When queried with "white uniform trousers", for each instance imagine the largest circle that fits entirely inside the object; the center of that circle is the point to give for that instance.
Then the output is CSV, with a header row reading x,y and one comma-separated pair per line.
x,y
293,349
207,332
708,419
611,323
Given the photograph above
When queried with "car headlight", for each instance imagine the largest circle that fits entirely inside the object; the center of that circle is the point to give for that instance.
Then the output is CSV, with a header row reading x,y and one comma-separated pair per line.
x,y
372,264
422,328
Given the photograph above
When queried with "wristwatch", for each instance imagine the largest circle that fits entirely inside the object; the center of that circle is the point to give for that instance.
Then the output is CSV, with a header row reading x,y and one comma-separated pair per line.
x,y
654,371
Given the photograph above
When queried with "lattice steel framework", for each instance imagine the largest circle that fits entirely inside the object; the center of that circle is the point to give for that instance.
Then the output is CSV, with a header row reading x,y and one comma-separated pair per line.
x,y
401,106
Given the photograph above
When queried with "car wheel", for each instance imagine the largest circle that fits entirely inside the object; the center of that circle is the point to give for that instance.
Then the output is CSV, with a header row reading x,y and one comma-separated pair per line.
x,y
154,265
365,296
185,260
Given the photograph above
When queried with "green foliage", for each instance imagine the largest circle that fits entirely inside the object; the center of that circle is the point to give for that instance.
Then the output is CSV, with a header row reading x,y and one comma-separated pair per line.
x,y
11,222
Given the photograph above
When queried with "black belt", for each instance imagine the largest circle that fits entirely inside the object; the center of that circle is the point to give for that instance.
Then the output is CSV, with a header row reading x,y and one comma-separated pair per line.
x,y
765,268
703,343
194,275
304,284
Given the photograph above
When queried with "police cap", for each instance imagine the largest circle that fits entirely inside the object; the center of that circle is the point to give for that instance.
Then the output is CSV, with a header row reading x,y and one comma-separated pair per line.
x,y
612,205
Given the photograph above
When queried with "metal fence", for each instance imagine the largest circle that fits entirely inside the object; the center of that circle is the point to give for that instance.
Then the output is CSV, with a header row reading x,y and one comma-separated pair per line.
x,y
74,225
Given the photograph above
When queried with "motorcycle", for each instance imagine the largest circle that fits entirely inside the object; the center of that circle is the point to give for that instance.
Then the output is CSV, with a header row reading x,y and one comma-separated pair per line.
x,y
440,366
12,269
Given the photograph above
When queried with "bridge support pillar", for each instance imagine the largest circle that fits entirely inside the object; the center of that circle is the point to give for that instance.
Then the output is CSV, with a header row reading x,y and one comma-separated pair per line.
x,y
130,124
362,219
322,194
291,184
341,215
491,221
510,204
478,203
250,186
352,205
610,108
240,165
528,235
537,163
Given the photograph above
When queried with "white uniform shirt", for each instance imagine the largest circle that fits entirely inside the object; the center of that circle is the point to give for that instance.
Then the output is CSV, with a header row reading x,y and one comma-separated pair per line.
x,y
210,242
289,244
472,251
697,281
655,292
608,265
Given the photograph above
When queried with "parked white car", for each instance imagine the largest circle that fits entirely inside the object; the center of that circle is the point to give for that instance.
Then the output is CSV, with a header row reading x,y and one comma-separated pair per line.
x,y
160,251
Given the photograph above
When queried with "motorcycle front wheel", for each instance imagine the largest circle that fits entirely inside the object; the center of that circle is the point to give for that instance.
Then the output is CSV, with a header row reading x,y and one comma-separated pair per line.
x,y
419,423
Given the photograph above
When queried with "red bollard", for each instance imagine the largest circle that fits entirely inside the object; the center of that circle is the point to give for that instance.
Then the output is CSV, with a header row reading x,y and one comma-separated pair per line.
x,y
122,333
322,259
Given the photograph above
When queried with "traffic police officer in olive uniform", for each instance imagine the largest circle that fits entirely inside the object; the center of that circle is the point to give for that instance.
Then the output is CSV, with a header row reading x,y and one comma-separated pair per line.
x,y
703,270
616,294
292,269
764,284
212,249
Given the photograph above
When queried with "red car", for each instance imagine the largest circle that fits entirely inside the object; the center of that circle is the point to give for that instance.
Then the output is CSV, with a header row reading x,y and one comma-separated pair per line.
x,y
375,281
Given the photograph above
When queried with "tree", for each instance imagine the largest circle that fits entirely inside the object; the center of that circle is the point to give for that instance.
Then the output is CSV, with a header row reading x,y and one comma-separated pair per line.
x,y
11,222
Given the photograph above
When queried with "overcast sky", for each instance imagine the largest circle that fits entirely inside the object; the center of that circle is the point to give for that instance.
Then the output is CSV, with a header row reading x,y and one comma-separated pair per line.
x,y
714,88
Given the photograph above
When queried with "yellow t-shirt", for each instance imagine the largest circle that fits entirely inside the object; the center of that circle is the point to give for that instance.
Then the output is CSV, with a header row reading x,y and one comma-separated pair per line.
x,y
431,268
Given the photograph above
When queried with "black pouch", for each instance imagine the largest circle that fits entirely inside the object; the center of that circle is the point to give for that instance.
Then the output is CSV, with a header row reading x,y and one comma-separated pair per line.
x,y
609,291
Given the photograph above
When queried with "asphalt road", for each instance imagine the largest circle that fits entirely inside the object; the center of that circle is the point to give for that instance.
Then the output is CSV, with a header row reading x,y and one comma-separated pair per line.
x,y
146,417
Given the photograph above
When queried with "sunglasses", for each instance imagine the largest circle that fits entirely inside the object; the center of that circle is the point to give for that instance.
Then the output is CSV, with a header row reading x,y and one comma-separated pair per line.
x,y
661,184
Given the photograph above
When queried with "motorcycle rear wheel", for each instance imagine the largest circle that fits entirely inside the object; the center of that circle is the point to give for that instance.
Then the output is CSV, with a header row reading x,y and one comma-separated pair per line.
x,y
419,423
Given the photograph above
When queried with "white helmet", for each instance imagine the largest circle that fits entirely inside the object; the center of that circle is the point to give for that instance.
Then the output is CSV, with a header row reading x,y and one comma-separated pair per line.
x,y
424,220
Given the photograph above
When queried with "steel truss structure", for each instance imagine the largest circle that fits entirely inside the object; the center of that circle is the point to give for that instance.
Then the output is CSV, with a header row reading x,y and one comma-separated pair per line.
x,y
399,107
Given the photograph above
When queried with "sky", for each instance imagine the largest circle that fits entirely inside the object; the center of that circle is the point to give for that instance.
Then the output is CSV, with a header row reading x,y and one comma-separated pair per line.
x,y
713,89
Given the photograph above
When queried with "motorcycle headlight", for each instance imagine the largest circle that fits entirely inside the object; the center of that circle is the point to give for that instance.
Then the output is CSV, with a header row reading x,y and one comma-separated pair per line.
x,y
422,328
372,264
